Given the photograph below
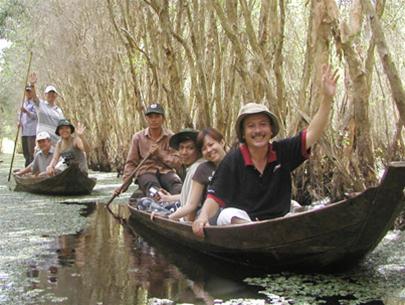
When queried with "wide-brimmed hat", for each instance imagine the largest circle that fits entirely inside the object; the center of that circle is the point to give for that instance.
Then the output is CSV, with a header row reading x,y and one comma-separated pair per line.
x,y
64,122
254,108
155,108
183,135
50,88
43,135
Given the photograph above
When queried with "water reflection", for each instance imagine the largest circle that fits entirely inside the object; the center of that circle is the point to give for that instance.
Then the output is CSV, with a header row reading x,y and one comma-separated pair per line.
x,y
108,264
96,260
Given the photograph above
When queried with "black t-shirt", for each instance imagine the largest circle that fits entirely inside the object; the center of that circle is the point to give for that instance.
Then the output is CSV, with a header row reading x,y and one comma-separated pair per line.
x,y
203,175
237,183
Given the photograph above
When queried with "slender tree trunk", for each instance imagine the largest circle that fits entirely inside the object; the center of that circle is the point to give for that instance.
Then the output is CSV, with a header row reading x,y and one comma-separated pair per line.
x,y
390,69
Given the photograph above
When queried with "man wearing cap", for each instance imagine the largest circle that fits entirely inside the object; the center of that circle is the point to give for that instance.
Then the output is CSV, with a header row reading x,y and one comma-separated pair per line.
x,y
48,112
159,161
42,158
253,182
28,122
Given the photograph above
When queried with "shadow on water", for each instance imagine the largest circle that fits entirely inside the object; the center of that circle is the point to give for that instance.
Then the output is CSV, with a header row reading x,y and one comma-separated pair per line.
x,y
109,264
88,207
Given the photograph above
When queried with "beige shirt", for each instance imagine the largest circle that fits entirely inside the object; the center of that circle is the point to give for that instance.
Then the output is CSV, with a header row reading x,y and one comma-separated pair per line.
x,y
186,188
165,160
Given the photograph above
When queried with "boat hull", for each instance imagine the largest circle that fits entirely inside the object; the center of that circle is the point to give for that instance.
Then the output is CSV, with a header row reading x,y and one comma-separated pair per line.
x,y
338,234
70,182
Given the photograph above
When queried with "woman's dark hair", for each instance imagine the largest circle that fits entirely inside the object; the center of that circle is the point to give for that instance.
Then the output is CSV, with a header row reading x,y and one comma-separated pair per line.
x,y
209,131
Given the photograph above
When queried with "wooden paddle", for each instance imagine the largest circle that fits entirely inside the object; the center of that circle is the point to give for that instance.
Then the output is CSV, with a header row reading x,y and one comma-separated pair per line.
x,y
19,121
128,180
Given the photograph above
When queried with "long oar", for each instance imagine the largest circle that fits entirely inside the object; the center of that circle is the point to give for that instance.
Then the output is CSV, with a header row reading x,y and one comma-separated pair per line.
x,y
128,180
19,121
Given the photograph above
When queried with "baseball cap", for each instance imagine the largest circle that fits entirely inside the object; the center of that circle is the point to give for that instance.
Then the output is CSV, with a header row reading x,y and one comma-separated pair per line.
x,y
43,135
50,88
155,108
28,88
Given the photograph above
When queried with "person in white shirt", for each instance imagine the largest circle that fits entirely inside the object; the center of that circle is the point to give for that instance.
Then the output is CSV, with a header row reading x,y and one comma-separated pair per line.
x,y
48,112
42,158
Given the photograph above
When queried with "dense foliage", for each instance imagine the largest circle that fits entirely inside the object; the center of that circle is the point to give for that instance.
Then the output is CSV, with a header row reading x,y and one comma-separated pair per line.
x,y
203,59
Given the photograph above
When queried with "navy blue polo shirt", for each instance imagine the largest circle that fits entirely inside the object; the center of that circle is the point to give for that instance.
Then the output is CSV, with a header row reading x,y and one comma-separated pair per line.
x,y
237,183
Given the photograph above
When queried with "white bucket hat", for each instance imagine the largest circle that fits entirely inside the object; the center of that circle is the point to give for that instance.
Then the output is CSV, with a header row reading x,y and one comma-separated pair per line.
x,y
254,108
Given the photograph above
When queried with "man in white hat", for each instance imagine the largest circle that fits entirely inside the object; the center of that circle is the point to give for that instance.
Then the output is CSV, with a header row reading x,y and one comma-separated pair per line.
x,y
42,158
48,112
253,182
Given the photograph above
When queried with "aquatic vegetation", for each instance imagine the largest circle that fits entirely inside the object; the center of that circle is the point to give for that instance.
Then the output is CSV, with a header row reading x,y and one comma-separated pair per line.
x,y
30,260
156,301
380,276
244,302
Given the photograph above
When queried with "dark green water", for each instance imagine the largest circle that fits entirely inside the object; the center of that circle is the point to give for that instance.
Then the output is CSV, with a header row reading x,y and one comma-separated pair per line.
x,y
70,250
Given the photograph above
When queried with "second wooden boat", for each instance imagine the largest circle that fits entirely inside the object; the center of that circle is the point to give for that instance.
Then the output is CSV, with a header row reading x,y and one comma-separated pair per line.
x,y
71,181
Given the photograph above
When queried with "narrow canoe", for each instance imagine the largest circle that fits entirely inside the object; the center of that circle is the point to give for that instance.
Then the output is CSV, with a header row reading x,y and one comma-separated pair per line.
x,y
336,235
71,181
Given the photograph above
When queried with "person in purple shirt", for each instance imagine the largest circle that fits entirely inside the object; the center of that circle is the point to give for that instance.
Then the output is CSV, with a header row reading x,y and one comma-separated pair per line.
x,y
28,121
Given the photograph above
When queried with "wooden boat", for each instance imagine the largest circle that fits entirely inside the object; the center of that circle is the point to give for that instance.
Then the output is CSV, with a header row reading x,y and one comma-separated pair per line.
x,y
336,235
71,181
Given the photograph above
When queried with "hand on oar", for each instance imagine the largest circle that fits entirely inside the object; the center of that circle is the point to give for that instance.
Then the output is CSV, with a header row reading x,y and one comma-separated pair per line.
x,y
127,181
121,189
153,149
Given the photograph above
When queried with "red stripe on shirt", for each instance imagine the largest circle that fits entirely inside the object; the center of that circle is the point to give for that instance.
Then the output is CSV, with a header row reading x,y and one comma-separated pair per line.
x,y
271,155
304,151
220,202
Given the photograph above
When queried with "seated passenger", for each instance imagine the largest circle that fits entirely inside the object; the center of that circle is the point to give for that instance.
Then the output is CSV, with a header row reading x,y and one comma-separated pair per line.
x,y
151,146
42,158
211,144
70,148
253,182
185,142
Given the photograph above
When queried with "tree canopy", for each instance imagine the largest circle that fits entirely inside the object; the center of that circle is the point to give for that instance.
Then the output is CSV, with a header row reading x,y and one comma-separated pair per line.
x,y
203,59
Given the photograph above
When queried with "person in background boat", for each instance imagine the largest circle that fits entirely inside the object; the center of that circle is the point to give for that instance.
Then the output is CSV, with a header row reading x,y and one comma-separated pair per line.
x,y
253,182
70,148
48,112
160,161
42,158
185,142
210,143
27,120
